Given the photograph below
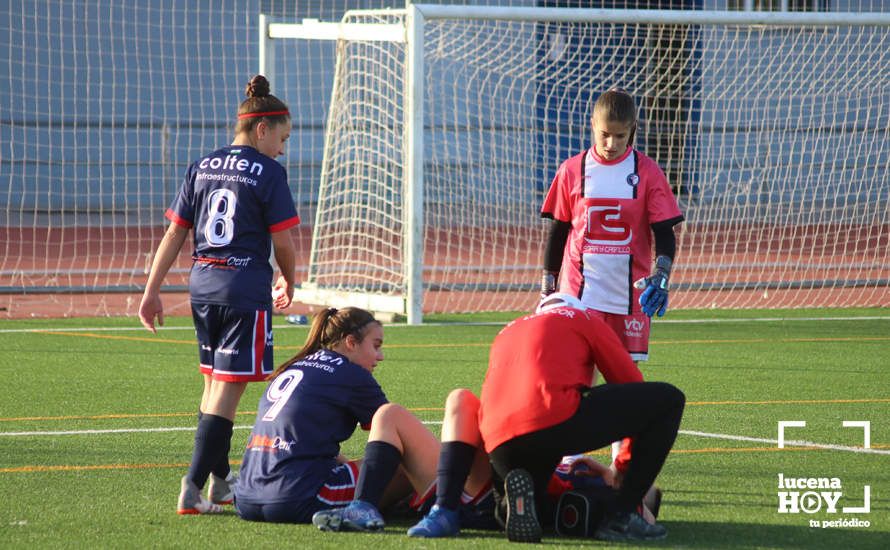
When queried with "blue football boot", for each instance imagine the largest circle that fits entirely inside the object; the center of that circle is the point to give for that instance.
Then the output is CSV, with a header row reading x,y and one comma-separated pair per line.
x,y
358,516
439,522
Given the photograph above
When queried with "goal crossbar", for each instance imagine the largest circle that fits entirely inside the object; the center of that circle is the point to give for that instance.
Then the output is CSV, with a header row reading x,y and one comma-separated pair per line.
x,y
665,17
313,29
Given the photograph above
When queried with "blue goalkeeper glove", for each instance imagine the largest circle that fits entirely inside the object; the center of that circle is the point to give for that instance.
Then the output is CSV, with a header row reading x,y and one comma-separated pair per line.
x,y
654,298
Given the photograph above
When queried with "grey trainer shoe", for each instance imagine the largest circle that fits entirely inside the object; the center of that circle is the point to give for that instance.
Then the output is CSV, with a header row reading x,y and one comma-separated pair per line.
x,y
222,491
191,501
628,526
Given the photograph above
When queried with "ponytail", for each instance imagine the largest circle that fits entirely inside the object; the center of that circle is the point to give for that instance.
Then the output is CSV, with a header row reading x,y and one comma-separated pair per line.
x,y
329,327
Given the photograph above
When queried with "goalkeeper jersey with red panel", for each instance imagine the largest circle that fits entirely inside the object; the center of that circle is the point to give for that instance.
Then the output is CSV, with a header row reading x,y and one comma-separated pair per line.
x,y
538,367
611,206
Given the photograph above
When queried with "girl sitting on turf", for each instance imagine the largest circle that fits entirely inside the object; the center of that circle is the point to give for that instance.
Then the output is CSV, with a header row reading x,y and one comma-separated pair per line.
x,y
292,466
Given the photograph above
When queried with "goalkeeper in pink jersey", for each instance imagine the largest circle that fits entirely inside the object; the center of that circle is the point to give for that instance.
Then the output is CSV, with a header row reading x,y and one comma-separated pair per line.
x,y
607,204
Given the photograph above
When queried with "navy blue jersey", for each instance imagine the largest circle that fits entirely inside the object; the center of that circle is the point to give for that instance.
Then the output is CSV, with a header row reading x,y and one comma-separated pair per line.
x,y
303,416
234,198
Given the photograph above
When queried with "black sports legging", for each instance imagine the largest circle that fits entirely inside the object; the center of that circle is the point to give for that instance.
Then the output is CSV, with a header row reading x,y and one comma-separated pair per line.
x,y
649,412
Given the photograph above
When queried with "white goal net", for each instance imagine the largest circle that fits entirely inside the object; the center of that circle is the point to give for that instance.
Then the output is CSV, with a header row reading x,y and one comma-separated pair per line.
x,y
430,171
105,105
772,129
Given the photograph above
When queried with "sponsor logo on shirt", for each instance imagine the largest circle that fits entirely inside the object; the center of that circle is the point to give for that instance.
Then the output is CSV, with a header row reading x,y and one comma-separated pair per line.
x,y
589,248
605,228
570,313
267,444
633,328
232,163
230,263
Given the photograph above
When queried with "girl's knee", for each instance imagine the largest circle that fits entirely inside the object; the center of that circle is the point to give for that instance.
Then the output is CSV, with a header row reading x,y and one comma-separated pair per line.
x,y
389,411
461,400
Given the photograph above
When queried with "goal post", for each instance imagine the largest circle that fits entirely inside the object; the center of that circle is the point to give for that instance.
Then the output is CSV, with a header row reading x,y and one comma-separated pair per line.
x,y
412,214
446,124
401,292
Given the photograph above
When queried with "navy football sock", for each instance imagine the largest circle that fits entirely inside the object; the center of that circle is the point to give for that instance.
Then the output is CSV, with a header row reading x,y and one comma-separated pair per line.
x,y
212,438
378,468
222,468
455,462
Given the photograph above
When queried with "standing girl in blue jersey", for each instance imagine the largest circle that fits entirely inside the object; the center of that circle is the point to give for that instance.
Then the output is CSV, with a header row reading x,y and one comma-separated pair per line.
x,y
292,466
237,202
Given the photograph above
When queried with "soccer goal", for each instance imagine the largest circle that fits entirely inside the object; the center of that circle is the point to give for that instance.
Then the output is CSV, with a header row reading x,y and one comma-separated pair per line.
x,y
447,123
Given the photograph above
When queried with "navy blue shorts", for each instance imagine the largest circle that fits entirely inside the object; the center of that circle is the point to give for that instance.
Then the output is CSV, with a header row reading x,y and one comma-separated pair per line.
x,y
337,490
234,345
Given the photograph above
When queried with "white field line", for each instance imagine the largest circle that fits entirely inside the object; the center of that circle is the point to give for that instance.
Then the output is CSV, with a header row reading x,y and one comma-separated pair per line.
x,y
489,323
729,437
129,430
792,443
111,431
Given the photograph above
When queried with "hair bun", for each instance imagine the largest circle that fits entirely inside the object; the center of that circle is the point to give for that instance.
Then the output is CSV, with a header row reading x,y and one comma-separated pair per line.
x,y
257,87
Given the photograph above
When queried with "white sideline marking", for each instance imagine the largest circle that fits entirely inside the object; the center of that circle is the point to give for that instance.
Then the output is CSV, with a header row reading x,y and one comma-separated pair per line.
x,y
774,319
91,329
467,324
788,443
112,431
729,437
132,430
675,321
